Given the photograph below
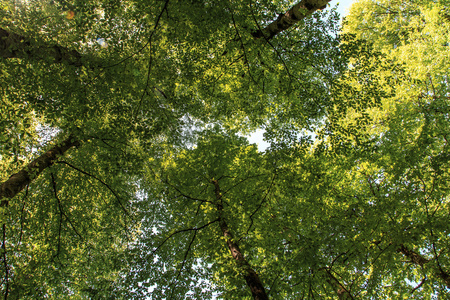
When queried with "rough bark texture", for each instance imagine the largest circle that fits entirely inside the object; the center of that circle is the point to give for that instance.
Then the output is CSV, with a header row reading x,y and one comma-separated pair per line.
x,y
418,259
250,276
13,45
298,12
413,256
21,179
342,292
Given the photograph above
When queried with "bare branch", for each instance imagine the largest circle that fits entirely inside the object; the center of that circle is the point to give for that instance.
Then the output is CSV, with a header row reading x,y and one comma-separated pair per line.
x,y
342,292
185,195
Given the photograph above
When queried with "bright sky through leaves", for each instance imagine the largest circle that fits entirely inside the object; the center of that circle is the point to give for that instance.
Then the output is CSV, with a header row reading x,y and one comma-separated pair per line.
x,y
145,187
257,137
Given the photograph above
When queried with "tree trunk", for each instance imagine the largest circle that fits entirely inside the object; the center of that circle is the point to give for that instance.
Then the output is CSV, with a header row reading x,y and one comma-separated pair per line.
x,y
418,259
13,45
342,292
21,179
250,276
298,12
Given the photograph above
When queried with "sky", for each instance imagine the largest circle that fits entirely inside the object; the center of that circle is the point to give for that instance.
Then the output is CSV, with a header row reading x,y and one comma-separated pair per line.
x,y
257,137
344,5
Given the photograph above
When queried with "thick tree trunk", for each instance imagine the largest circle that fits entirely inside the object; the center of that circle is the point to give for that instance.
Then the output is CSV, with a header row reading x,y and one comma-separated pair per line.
x,y
418,259
250,276
13,45
21,179
298,12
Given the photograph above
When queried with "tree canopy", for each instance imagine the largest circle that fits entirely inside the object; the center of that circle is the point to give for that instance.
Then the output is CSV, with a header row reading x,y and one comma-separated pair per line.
x,y
125,172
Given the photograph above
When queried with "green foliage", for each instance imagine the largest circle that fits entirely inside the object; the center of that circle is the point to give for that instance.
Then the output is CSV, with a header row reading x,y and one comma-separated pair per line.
x,y
184,233
350,201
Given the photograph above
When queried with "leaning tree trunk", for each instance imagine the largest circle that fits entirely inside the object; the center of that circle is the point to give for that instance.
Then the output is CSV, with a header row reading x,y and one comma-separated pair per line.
x,y
298,12
250,276
13,45
21,179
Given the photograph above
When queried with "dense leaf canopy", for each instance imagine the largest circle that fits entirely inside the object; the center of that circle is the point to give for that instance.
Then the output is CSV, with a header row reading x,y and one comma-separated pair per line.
x,y
125,172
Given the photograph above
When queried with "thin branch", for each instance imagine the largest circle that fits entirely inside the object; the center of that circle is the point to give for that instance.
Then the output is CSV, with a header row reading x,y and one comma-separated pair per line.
x,y
341,290
241,181
243,49
102,182
274,281
185,195
260,204
184,260
151,56
419,285
444,275
271,45
183,230
62,213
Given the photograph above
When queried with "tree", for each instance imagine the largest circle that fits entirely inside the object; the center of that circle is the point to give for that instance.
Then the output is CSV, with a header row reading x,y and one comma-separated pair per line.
x,y
202,190
406,173
123,122
121,101
225,187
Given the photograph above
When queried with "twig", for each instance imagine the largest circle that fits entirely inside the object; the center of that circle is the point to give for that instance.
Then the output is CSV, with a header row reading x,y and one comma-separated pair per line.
x,y
183,230
184,261
102,182
62,213
260,204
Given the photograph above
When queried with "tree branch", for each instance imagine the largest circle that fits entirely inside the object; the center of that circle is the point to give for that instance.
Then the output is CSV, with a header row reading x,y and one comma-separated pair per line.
x,y
284,21
21,179
61,211
183,230
261,203
13,45
183,263
102,182
342,292
185,195
418,259
250,276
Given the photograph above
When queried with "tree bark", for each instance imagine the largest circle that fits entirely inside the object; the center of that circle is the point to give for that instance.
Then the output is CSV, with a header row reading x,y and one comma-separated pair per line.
x,y
250,276
342,292
418,259
21,179
298,12
13,45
